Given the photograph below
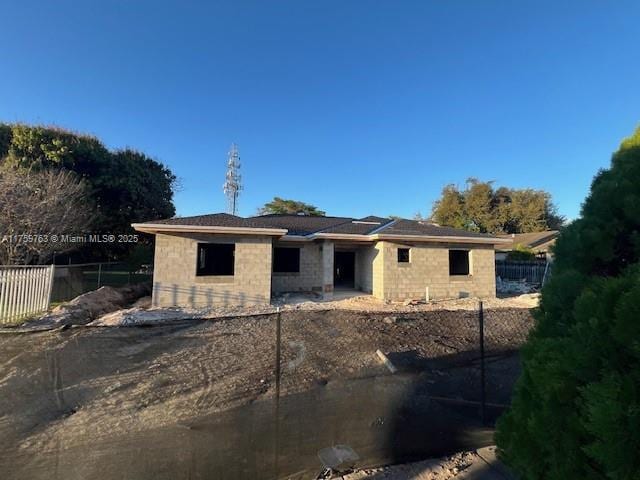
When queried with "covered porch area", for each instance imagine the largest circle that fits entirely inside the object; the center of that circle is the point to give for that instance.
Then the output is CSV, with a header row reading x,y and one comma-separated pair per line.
x,y
351,269
327,268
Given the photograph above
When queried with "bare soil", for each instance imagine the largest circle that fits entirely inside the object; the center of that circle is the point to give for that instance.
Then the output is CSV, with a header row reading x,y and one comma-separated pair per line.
x,y
142,314
478,464
75,386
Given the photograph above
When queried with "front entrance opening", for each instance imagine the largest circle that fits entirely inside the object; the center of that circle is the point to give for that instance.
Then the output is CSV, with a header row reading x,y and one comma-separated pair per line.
x,y
344,269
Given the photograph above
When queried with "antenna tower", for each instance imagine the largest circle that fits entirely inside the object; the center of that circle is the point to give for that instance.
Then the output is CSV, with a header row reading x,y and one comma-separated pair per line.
x,y
232,184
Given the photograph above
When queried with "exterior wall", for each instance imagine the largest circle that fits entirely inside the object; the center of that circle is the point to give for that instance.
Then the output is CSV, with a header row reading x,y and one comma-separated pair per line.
x,y
316,269
174,277
377,271
365,257
327,269
429,267
310,276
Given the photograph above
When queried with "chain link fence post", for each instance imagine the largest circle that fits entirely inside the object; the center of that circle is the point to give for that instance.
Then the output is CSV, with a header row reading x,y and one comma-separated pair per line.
x,y
482,373
277,406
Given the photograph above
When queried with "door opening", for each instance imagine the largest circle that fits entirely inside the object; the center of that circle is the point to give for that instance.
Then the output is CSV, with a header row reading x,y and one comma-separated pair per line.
x,y
344,269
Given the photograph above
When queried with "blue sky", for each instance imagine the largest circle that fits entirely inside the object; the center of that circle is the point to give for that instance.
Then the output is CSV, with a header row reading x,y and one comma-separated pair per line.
x,y
359,107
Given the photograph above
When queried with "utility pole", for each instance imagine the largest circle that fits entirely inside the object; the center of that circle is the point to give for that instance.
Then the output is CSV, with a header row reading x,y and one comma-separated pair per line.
x,y
232,184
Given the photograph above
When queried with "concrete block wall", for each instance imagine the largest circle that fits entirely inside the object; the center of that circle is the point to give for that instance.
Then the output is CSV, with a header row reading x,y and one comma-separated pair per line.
x,y
365,257
327,269
174,277
378,270
310,276
429,267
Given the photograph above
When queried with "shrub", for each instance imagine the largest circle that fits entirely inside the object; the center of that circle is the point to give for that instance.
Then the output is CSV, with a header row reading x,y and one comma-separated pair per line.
x,y
576,407
520,253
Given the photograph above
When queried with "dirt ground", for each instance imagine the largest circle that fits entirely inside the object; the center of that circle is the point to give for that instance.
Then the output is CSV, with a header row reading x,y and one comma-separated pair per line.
x,y
78,385
478,464
342,300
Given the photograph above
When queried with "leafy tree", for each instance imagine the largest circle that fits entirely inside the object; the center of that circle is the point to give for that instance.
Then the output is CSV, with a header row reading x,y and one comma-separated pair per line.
x,y
576,408
449,210
478,206
125,186
291,207
481,208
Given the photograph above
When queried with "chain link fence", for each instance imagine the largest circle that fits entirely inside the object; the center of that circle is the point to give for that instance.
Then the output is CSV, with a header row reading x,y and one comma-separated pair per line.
x,y
297,394
75,279
392,387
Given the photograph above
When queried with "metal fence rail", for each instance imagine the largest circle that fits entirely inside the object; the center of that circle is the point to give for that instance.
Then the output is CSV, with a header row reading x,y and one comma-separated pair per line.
x,y
24,291
532,272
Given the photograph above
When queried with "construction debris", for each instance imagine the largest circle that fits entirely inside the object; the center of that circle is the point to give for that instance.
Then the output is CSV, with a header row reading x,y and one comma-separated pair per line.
x,y
515,286
84,308
386,361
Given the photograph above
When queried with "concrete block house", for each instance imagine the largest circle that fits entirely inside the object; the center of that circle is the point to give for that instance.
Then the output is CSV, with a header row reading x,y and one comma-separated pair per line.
x,y
222,259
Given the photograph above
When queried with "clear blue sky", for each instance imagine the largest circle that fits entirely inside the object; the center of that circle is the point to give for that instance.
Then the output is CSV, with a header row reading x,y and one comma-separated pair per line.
x,y
359,107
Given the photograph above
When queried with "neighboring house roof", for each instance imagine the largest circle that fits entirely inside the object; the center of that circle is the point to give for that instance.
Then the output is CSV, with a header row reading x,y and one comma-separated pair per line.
x,y
536,241
306,227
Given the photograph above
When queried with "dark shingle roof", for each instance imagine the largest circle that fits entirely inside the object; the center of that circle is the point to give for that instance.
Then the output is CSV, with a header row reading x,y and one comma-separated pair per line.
x,y
414,227
373,218
306,225
214,219
361,226
298,224
537,241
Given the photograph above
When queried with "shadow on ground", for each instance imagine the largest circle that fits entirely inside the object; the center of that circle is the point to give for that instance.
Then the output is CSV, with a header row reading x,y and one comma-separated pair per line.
x,y
53,378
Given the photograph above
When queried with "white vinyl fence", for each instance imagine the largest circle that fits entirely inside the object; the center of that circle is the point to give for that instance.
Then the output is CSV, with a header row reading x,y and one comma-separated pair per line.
x,y
24,291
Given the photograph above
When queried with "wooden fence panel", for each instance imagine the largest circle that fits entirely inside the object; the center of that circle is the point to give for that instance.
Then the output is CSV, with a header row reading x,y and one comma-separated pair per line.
x,y
24,291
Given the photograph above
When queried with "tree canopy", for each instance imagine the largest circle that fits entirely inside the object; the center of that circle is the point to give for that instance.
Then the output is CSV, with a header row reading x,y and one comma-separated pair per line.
x,y
481,208
293,207
124,186
576,409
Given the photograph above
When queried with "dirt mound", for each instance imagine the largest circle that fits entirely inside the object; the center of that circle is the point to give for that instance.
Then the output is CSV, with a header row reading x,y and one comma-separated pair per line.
x,y
84,308
137,316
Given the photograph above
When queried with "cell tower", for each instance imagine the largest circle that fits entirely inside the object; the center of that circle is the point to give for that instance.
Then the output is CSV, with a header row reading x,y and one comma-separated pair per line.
x,y
232,185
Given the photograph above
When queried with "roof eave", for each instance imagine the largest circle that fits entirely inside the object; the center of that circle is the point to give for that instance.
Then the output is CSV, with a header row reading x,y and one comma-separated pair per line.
x,y
296,238
440,238
343,236
418,238
166,228
155,228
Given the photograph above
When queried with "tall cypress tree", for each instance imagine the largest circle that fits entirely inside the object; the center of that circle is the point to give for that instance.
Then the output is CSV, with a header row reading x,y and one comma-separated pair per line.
x,y
576,408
